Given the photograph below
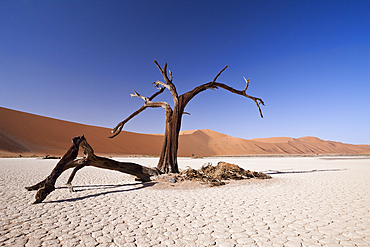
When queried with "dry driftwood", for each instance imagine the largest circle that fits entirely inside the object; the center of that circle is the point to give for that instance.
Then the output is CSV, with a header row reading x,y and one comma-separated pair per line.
x,y
69,160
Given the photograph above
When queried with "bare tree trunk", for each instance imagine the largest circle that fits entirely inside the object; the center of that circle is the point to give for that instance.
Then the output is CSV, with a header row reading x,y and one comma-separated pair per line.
x,y
168,159
69,160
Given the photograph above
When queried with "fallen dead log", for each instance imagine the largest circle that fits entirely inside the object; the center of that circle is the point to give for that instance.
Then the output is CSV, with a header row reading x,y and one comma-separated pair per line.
x,y
69,160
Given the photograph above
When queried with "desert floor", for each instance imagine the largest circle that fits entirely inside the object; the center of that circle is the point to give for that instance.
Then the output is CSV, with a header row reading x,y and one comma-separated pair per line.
x,y
322,208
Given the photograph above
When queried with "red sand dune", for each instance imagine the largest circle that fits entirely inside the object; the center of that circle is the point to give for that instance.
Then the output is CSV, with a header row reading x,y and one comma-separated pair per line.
x,y
28,134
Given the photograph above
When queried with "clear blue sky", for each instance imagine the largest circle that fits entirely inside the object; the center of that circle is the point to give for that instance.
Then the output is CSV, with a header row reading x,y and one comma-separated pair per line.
x,y
79,61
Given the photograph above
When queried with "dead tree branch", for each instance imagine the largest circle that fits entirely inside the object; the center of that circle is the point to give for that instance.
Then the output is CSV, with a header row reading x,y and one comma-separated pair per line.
x,y
219,73
119,126
247,81
186,97
45,187
168,81
258,101
148,103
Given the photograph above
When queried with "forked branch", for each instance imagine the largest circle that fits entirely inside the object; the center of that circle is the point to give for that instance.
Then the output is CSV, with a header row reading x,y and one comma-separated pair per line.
x,y
186,97
45,187
164,72
119,126
158,84
247,81
258,101
168,81
146,99
149,103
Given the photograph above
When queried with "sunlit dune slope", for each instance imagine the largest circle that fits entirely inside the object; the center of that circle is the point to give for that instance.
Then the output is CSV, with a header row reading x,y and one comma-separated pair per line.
x,y
28,134
31,134
284,145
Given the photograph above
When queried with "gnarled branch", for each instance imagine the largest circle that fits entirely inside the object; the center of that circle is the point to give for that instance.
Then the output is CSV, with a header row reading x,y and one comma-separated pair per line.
x,y
45,187
136,94
157,84
258,101
119,126
186,97
168,81
149,103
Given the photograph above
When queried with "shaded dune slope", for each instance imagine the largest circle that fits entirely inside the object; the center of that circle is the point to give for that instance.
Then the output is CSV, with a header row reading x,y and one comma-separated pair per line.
x,y
28,134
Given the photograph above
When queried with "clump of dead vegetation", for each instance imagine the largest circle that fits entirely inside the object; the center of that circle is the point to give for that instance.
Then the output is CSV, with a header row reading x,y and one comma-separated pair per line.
x,y
50,157
215,175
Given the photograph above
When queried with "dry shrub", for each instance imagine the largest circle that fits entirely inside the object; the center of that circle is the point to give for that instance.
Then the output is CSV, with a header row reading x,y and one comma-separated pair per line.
x,y
214,175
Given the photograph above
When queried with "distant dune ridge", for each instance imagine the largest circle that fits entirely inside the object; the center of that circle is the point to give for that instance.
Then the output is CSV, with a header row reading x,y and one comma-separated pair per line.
x,y
27,134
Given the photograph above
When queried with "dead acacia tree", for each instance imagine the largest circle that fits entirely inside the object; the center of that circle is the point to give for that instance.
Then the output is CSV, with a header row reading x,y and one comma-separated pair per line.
x,y
69,160
168,158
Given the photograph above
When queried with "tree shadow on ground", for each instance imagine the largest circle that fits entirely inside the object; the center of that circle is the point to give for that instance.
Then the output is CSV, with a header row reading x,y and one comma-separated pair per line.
x,y
96,186
144,185
274,172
